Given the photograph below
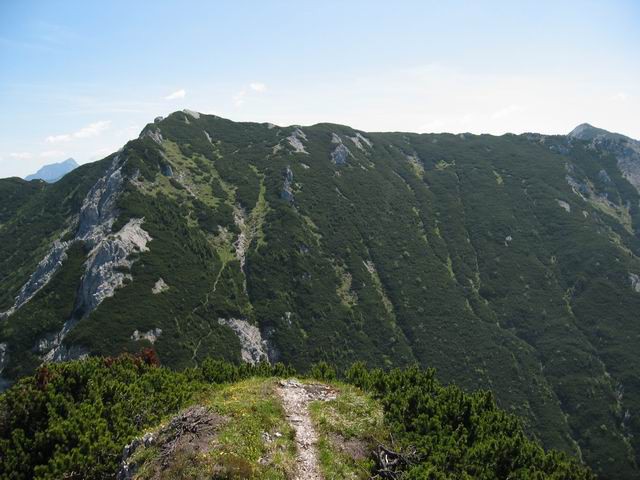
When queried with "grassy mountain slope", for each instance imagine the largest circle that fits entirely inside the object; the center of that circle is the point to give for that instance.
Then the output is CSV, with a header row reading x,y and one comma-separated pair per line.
x,y
504,262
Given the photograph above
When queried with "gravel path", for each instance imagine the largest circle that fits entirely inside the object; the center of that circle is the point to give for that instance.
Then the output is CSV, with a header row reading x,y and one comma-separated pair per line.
x,y
295,400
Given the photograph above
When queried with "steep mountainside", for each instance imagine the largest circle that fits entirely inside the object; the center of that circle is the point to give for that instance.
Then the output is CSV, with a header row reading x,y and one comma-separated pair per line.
x,y
508,263
54,171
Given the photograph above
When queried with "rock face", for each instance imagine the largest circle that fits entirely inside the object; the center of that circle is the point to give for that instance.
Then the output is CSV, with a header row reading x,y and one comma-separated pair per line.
x,y
340,153
104,272
287,187
41,276
159,287
360,141
195,115
625,149
295,140
253,347
151,335
635,282
564,205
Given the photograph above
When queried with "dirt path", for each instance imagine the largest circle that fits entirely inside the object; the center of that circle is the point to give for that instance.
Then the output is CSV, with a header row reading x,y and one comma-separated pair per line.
x,y
295,400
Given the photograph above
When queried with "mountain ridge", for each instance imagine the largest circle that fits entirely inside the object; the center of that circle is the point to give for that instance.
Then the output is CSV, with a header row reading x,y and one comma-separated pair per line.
x,y
478,255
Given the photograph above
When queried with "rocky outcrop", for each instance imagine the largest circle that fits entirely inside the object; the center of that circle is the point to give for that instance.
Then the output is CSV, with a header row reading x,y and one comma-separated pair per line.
x,y
253,348
564,205
104,271
98,211
127,468
287,187
154,134
47,267
151,336
193,114
295,140
625,149
159,287
241,245
340,153
635,282
360,141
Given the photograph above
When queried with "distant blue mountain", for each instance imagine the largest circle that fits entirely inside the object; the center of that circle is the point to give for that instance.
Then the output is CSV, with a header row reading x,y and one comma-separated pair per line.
x,y
53,172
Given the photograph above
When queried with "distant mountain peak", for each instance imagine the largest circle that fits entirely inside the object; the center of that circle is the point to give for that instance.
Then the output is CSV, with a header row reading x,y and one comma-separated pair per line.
x,y
54,171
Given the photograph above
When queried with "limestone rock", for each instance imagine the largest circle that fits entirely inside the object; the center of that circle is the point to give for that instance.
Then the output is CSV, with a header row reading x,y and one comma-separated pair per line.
x,y
253,347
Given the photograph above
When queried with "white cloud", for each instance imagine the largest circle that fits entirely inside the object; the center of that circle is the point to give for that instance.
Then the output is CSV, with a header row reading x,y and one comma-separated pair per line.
x,y
258,87
620,97
92,130
58,138
21,155
89,131
176,95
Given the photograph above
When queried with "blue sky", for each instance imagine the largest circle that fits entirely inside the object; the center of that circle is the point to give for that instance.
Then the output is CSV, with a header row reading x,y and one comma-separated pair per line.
x,y
80,78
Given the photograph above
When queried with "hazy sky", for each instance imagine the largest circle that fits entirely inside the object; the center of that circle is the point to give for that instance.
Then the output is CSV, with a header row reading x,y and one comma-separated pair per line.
x,y
80,78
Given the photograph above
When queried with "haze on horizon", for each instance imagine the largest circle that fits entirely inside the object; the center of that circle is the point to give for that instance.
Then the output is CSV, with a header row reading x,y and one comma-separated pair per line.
x,y
79,79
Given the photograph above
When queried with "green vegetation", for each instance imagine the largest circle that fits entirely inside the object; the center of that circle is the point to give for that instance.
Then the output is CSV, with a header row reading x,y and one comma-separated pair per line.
x,y
350,427
72,420
447,251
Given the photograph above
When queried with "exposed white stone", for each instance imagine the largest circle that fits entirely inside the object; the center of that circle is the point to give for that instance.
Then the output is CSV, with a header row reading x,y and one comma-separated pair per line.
x,y
160,287
360,141
305,166
98,211
195,115
103,273
62,353
206,134
564,205
370,266
242,242
340,153
253,346
151,335
154,134
47,267
635,282
295,140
